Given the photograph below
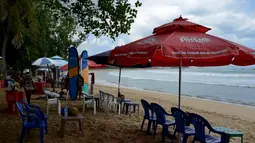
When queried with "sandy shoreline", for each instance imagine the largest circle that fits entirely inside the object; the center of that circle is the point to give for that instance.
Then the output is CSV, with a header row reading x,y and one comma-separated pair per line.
x,y
243,111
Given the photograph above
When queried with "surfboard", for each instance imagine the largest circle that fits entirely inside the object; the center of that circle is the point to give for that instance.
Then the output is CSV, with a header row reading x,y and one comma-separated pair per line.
x,y
85,71
73,72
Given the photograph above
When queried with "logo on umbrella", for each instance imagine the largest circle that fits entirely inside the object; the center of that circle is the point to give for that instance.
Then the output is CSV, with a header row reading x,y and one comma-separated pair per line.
x,y
195,39
150,40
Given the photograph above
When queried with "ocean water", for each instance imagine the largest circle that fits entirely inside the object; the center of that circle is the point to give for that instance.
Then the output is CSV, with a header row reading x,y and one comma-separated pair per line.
x,y
231,84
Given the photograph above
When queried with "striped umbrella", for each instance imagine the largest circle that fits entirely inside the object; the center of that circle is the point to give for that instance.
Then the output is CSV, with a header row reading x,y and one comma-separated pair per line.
x,y
42,62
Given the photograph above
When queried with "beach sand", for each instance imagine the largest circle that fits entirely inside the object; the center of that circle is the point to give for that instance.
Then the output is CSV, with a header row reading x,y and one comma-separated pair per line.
x,y
110,127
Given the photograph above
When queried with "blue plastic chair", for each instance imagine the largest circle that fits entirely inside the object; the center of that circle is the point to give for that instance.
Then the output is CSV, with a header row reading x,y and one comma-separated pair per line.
x,y
29,122
161,120
33,108
181,122
148,115
200,124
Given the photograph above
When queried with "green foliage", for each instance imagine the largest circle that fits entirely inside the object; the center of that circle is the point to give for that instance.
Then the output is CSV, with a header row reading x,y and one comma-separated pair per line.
x,y
45,27
52,37
18,16
107,17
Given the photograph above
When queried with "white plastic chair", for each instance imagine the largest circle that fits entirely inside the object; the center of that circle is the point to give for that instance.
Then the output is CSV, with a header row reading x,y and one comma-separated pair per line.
x,y
101,98
109,100
88,102
105,101
114,105
52,101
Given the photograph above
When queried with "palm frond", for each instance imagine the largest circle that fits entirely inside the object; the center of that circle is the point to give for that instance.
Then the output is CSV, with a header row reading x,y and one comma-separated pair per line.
x,y
3,10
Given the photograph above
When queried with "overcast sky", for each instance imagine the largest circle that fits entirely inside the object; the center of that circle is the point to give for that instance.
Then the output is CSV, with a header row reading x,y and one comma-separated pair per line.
x,y
230,19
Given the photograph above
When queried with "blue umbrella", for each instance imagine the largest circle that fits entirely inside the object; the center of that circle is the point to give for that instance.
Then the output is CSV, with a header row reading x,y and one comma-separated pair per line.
x,y
59,61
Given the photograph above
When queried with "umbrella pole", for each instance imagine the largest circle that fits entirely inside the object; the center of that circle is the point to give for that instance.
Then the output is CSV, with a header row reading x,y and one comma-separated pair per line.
x,y
179,96
119,80
180,81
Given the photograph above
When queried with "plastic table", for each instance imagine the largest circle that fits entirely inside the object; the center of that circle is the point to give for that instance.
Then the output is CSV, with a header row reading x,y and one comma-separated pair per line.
x,y
78,118
230,133
130,104
11,98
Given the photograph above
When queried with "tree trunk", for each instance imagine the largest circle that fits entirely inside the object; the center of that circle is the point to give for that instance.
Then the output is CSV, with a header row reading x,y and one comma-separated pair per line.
x,y
4,48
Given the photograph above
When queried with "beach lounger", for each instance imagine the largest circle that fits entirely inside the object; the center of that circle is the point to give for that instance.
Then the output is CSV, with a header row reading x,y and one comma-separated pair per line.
x,y
181,122
161,120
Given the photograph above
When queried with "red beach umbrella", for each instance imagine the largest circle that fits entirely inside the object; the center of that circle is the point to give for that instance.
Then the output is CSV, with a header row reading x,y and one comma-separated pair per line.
x,y
182,43
92,65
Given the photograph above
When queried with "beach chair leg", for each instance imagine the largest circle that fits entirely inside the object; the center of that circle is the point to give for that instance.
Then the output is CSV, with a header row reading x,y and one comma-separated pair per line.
x,y
127,108
81,126
173,136
138,110
41,134
184,140
94,108
142,123
155,130
119,108
48,106
46,127
59,107
23,131
62,128
83,108
163,133
149,127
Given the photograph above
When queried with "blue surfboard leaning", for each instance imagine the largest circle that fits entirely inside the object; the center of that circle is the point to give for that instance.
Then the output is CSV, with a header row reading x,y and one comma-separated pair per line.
x,y
73,72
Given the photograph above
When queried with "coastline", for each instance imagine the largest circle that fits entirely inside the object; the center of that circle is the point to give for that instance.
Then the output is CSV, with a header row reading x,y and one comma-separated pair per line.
x,y
219,90
207,105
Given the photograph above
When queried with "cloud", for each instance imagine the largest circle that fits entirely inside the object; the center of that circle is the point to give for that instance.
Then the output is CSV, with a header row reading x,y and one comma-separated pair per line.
x,y
230,19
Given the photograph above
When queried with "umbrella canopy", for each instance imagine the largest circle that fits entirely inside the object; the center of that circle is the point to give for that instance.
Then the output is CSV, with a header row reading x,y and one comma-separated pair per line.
x,y
188,43
57,57
91,65
60,63
41,62
43,69
101,58
180,23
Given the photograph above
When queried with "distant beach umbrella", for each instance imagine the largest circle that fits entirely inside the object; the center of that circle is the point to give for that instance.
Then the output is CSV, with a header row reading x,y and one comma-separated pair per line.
x,y
43,69
57,57
43,62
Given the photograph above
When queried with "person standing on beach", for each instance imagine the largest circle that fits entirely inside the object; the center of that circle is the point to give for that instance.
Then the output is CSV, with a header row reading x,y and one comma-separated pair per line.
x,y
28,84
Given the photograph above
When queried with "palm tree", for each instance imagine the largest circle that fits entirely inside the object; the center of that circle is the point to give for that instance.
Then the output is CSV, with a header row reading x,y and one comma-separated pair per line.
x,y
17,17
